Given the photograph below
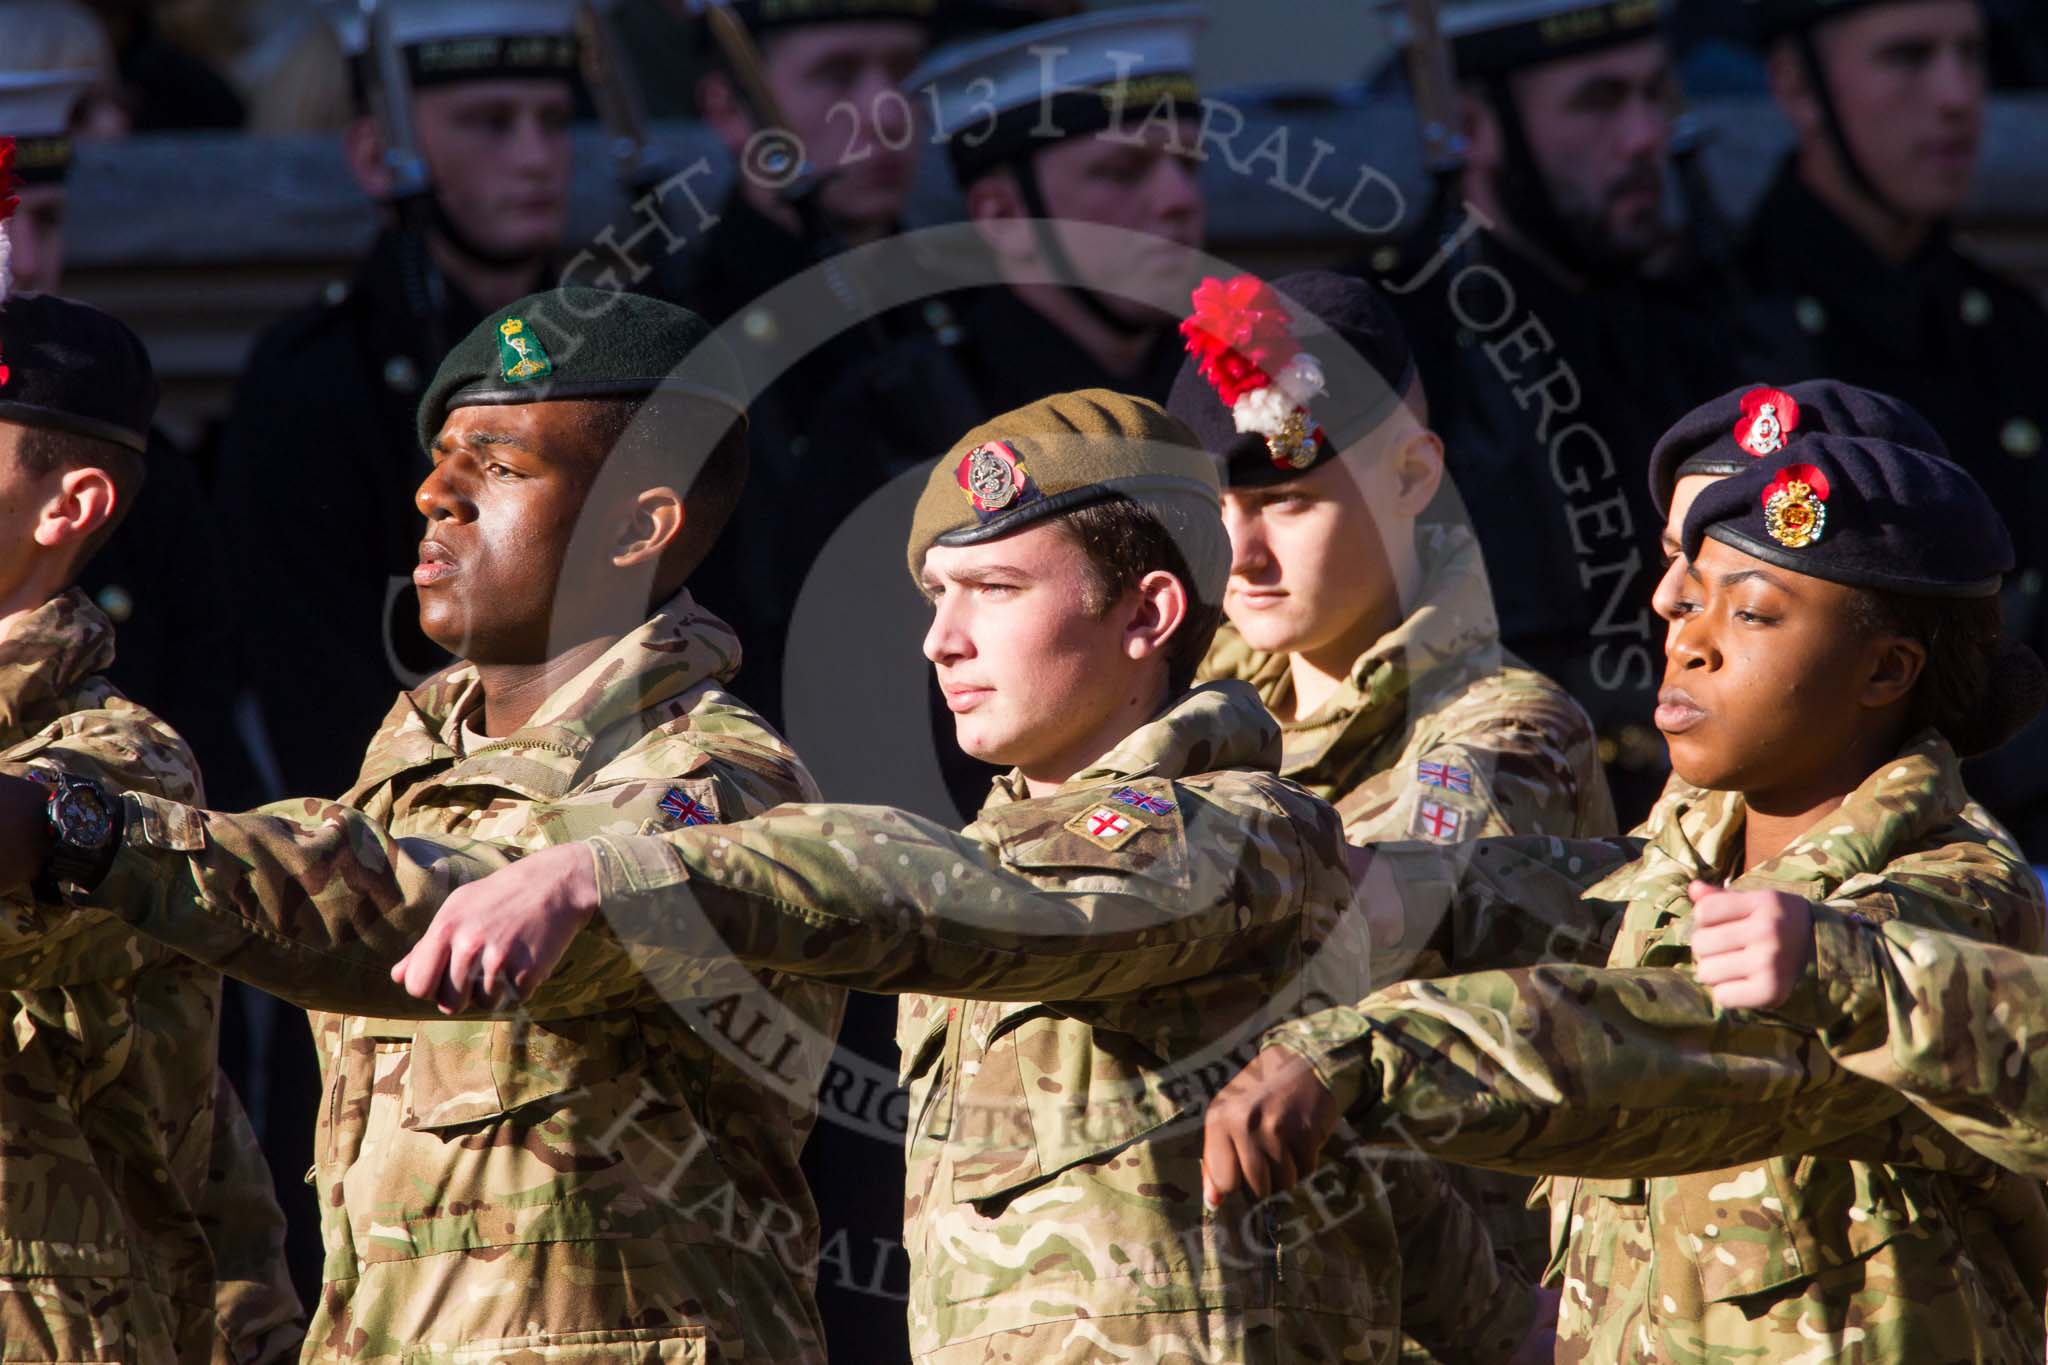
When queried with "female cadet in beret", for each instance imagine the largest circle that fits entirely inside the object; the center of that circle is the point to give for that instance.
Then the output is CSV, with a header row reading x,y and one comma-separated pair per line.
x,y
1834,641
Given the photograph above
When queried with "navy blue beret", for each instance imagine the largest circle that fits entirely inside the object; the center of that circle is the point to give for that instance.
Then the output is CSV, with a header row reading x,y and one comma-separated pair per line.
x,y
1355,338
69,366
1860,511
1726,435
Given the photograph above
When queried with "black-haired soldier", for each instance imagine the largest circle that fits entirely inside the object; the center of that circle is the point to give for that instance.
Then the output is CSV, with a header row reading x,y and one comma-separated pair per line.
x,y
1851,248
1553,349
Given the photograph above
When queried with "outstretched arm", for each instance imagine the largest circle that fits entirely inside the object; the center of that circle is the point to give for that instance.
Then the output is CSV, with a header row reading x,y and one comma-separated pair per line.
x,y
884,901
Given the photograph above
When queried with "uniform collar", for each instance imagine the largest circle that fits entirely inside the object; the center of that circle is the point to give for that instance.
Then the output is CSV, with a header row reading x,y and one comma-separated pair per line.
x,y
1451,637
46,655
1218,725
749,253
1862,293
1889,814
682,646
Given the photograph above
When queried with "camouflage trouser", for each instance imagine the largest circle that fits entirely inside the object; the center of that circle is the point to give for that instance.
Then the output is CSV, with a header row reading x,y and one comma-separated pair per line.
x,y
1260,1336
619,1301
1901,1302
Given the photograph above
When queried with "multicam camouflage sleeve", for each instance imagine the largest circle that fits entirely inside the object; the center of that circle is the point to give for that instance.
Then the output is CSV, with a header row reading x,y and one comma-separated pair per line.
x,y
1953,1024
124,748
1572,1070
1467,1303
311,900
1494,903
885,901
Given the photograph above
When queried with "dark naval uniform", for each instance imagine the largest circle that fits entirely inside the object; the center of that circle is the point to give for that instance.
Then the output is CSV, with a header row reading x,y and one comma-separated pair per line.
x,y
1964,346
318,468
1550,384
161,581
999,354
1558,498
801,484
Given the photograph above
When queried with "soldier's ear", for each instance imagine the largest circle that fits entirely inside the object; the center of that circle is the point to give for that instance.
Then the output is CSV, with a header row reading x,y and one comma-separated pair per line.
x,y
84,501
1418,470
1481,130
718,104
1895,668
362,147
653,524
995,206
1786,71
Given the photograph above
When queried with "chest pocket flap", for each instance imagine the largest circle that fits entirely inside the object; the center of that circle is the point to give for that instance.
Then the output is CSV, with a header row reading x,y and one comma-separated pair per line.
x,y
1046,1093
1037,1091
1758,1227
464,1071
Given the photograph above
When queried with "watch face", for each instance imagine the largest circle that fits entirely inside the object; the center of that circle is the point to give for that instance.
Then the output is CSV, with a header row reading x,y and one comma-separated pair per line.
x,y
83,819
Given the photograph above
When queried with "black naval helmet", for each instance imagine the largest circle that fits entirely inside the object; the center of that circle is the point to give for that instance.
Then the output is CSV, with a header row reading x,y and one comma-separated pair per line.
x,y
1756,421
36,109
1491,40
444,42
999,100
1281,378
1771,20
1896,520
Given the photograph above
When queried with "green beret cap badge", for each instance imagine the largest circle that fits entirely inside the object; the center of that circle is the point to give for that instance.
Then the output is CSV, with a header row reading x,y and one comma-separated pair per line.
x,y
520,353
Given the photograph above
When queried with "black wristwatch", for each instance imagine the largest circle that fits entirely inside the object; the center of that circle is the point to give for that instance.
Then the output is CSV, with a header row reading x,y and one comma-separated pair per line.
x,y
85,834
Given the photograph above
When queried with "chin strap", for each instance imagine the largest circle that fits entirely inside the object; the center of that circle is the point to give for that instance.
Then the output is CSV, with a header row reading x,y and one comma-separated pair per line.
x,y
465,245
1055,254
1837,134
1525,191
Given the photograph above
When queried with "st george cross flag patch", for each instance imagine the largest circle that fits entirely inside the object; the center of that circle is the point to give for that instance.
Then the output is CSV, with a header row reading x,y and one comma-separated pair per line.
x,y
685,811
1434,820
1105,825
1443,775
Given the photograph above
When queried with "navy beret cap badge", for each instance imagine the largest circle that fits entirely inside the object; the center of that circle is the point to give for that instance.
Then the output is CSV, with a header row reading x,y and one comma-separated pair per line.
x,y
1795,506
1769,417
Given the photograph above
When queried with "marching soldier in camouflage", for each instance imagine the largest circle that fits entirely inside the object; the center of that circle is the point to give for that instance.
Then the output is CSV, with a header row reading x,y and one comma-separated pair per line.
x,y
1138,898
1776,1258
138,1224
614,1180
1881,998
1373,640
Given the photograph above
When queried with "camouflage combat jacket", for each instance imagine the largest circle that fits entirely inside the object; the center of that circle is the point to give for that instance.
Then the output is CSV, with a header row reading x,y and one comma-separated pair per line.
x,y
1109,956
1951,1023
1773,1258
600,1177
1439,735
137,1221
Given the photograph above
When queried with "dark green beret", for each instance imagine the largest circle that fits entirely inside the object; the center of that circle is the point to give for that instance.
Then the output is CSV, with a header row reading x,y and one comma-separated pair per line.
x,y
578,342
1069,451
